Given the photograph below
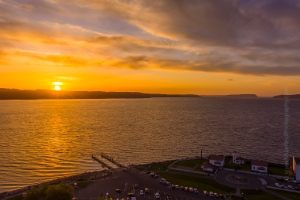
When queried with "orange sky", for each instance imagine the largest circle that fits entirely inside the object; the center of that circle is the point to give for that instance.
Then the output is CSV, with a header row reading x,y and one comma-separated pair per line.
x,y
200,47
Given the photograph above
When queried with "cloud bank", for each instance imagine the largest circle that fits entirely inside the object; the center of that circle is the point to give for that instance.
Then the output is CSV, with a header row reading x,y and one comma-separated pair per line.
x,y
250,37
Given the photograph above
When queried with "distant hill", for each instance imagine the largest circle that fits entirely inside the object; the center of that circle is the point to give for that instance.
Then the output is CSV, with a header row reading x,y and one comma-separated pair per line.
x,y
241,95
292,96
50,94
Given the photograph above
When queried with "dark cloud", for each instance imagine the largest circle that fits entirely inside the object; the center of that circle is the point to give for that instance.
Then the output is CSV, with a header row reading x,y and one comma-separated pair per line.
x,y
239,36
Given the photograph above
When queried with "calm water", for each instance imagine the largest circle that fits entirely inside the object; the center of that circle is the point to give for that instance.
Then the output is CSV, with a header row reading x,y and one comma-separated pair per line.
x,y
45,139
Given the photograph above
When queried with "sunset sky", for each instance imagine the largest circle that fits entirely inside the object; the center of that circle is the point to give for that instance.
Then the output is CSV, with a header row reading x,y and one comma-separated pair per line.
x,y
205,47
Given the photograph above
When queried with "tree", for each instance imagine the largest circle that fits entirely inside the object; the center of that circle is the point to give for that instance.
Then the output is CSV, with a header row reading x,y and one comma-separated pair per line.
x,y
59,192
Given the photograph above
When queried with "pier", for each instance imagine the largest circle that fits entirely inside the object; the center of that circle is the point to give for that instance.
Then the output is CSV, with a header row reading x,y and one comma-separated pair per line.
x,y
111,159
101,162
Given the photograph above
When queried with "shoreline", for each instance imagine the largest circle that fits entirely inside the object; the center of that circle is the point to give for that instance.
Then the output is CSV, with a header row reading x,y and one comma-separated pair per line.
x,y
66,179
72,178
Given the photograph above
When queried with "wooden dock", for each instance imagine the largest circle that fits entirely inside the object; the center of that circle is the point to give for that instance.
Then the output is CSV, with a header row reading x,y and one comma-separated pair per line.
x,y
111,159
101,162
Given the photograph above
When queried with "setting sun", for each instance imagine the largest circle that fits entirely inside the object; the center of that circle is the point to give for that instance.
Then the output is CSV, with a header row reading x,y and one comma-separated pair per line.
x,y
57,87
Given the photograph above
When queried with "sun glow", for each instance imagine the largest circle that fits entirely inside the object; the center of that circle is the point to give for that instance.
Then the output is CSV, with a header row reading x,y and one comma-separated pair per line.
x,y
57,85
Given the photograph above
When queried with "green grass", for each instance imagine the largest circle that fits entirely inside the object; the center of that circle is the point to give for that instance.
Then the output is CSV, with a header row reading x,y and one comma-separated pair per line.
x,y
191,163
84,184
161,166
197,182
277,171
290,195
258,195
19,197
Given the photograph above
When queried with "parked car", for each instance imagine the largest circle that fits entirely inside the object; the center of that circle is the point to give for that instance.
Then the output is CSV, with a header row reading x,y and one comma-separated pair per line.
x,y
277,184
196,190
221,196
157,195
211,194
136,186
191,189
141,192
181,188
106,195
125,169
131,195
151,174
205,192
146,190
177,187
118,190
155,176
169,197
291,187
186,189
216,195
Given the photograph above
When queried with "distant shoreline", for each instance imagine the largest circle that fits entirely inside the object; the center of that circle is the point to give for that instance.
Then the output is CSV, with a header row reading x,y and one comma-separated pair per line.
x,y
14,94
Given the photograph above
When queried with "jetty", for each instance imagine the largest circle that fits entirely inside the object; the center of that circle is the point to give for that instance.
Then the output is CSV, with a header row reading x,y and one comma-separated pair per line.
x,y
111,159
101,162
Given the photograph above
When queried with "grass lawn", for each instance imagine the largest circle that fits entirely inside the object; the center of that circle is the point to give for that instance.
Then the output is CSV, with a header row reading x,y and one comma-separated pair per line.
x,y
19,197
84,184
277,171
191,163
258,195
290,195
161,166
197,182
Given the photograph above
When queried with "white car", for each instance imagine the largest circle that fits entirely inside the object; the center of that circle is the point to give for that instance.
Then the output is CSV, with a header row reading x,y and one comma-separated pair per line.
x,y
277,184
157,196
196,190
141,192
191,189
211,194
291,187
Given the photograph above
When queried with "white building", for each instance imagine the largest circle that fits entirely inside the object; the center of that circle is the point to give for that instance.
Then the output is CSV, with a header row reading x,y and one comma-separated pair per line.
x,y
217,160
236,159
296,167
207,167
259,166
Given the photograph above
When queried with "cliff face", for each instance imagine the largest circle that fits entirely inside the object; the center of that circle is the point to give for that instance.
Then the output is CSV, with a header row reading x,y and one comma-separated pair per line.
x,y
50,94
241,95
293,96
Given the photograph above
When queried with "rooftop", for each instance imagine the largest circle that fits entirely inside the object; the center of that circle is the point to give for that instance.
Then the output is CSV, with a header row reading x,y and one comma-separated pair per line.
x,y
259,163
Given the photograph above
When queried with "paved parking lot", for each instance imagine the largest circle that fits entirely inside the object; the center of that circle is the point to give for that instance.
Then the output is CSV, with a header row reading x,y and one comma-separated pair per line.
x,y
125,180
